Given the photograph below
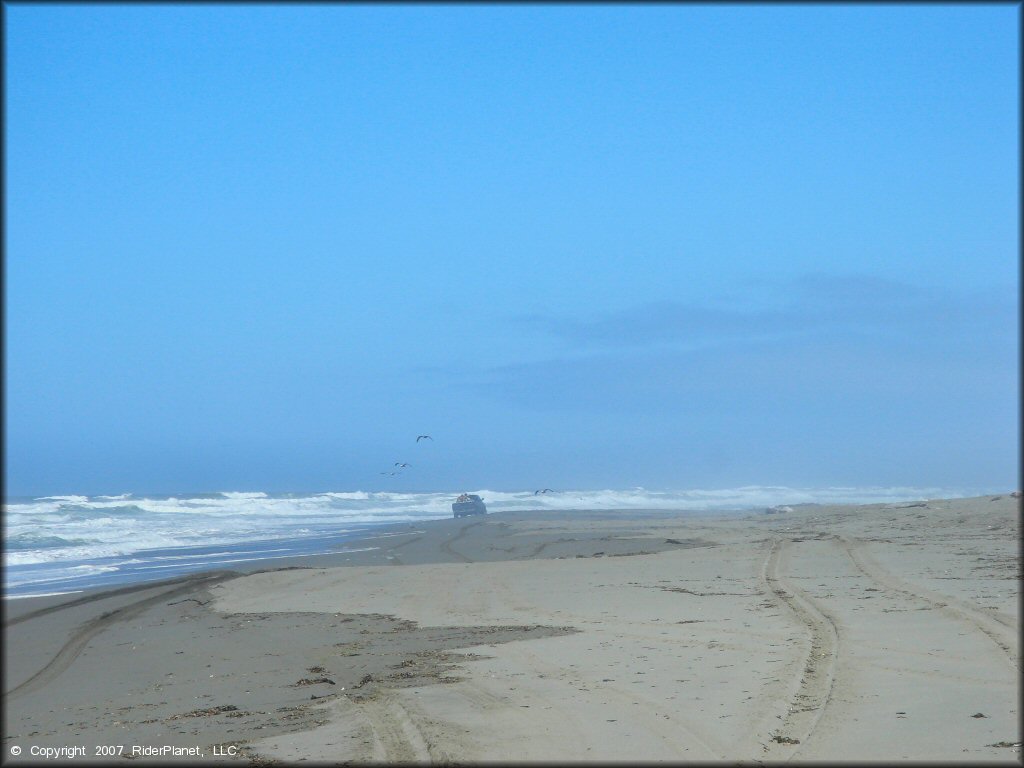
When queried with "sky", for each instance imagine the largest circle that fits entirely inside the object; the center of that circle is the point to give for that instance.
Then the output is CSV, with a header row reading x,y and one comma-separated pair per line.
x,y
263,247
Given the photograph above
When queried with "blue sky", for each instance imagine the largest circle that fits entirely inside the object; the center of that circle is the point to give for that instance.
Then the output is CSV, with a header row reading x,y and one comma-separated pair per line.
x,y
262,247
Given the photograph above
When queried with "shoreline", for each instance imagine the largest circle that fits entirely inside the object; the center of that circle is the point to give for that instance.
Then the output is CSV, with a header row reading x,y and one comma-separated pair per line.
x,y
588,635
322,546
215,530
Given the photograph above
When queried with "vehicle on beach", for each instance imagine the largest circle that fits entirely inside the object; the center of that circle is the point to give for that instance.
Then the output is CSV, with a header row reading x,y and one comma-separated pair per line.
x,y
468,504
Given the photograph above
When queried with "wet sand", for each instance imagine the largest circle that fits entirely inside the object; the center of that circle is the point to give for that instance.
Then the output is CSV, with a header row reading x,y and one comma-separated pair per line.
x,y
853,633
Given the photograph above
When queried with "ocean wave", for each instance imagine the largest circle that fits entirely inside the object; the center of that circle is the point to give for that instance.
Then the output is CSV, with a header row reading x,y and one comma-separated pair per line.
x,y
91,569
59,530
36,541
55,575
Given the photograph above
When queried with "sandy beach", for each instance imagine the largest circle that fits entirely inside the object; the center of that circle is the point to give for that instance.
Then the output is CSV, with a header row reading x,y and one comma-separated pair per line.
x,y
885,632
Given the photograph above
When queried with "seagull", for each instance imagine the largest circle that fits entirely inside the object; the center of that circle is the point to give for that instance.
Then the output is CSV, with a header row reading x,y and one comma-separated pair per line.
x,y
546,490
401,464
420,437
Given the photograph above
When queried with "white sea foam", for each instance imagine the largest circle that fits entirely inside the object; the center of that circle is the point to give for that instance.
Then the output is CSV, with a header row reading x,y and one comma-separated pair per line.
x,y
15,578
42,594
93,569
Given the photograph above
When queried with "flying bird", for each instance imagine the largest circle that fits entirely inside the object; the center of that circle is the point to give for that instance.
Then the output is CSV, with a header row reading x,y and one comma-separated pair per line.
x,y
401,464
546,490
420,437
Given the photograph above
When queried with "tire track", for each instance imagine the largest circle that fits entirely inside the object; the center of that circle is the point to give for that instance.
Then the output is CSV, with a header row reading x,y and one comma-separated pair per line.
x,y
541,547
993,627
187,579
398,739
77,642
449,742
446,545
407,542
818,677
394,559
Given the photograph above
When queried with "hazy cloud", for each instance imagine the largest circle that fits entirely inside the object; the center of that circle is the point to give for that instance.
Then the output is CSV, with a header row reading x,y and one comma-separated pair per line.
x,y
792,374
831,342
813,304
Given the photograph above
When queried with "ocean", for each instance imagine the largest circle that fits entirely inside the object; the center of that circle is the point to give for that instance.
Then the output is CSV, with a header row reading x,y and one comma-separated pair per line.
x,y
63,544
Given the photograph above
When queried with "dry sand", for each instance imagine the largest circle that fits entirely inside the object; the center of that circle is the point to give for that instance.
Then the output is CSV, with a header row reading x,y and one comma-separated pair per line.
x,y
847,633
